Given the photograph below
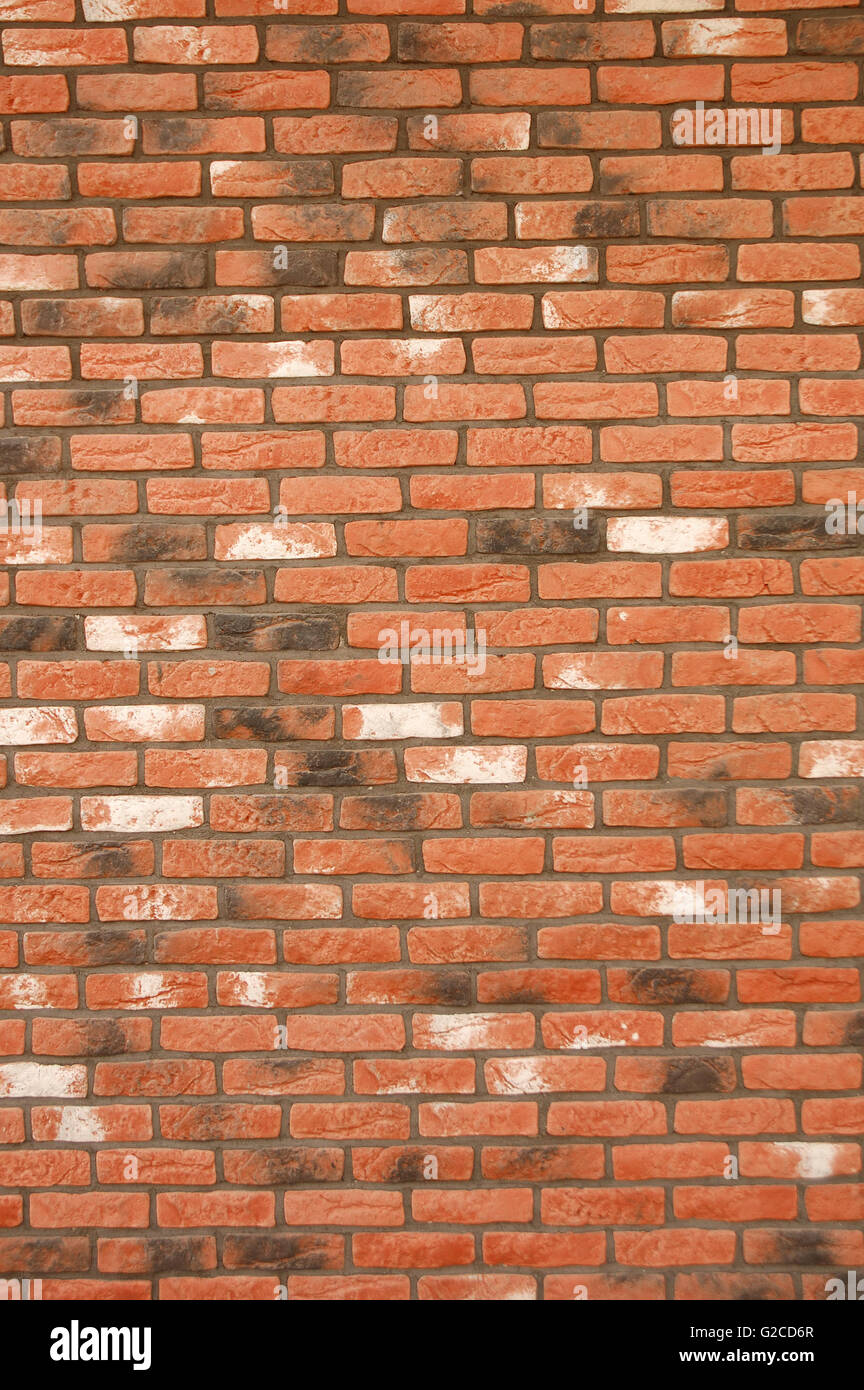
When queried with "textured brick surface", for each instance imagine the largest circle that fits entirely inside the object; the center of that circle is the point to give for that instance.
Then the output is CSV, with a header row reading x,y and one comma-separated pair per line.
x,y
368,978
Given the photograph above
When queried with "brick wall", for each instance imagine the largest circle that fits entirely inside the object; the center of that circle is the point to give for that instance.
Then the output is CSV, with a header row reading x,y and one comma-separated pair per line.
x,y
527,967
